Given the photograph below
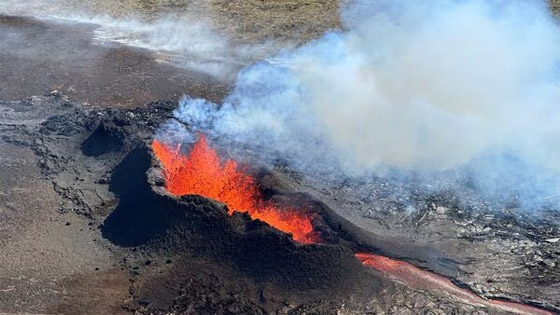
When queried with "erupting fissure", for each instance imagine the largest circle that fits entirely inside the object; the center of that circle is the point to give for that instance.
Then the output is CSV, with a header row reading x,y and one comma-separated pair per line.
x,y
202,173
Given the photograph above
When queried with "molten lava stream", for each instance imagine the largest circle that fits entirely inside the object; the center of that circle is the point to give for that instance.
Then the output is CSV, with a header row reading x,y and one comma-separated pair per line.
x,y
422,279
201,173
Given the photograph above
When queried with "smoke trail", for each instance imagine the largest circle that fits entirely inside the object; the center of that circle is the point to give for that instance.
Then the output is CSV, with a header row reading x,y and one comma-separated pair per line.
x,y
467,88
183,40
186,38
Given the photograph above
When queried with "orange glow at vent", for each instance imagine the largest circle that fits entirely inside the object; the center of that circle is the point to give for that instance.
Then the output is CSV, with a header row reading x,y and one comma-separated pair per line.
x,y
201,173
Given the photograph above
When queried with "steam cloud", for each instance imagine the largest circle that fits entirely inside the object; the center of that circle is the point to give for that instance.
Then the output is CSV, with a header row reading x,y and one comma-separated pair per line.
x,y
458,91
184,39
453,89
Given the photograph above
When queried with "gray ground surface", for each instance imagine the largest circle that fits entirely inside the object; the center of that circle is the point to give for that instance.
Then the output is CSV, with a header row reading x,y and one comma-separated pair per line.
x,y
54,198
243,20
47,254
38,56
61,259
496,254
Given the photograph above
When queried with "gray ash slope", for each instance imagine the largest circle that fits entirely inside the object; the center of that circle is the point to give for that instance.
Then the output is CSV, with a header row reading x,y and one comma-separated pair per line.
x,y
497,252
188,255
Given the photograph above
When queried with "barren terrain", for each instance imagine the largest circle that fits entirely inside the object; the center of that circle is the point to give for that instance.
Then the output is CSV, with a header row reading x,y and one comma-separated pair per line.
x,y
87,228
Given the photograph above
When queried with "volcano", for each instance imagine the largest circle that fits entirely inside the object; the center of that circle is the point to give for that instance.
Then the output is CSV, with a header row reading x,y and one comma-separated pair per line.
x,y
200,172
252,240
242,190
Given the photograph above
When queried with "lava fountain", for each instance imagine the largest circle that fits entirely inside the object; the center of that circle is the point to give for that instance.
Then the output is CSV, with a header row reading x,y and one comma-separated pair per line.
x,y
202,173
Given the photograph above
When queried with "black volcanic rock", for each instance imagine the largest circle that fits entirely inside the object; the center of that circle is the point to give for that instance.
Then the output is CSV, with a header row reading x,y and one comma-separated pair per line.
x,y
206,261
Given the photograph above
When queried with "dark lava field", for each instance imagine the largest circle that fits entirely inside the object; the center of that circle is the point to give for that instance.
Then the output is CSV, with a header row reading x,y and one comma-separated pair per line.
x,y
88,227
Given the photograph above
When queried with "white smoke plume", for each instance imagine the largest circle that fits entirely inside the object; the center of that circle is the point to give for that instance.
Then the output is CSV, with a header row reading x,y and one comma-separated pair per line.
x,y
187,39
442,87
183,40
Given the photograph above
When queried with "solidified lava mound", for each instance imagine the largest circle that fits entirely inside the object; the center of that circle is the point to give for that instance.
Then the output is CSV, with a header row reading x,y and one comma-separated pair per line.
x,y
194,254
138,216
259,251
174,248
161,226
104,139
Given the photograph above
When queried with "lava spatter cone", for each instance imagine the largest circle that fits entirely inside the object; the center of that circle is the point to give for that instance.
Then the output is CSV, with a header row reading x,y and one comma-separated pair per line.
x,y
202,173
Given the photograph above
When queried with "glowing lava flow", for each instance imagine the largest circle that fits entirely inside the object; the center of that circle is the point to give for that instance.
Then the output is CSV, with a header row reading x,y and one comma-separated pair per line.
x,y
201,173
418,278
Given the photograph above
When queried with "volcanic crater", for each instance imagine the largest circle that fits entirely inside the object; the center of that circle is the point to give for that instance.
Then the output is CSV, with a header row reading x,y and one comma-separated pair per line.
x,y
190,253
140,225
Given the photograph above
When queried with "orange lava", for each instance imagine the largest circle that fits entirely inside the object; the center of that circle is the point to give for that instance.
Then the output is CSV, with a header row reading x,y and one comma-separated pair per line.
x,y
201,173
422,279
